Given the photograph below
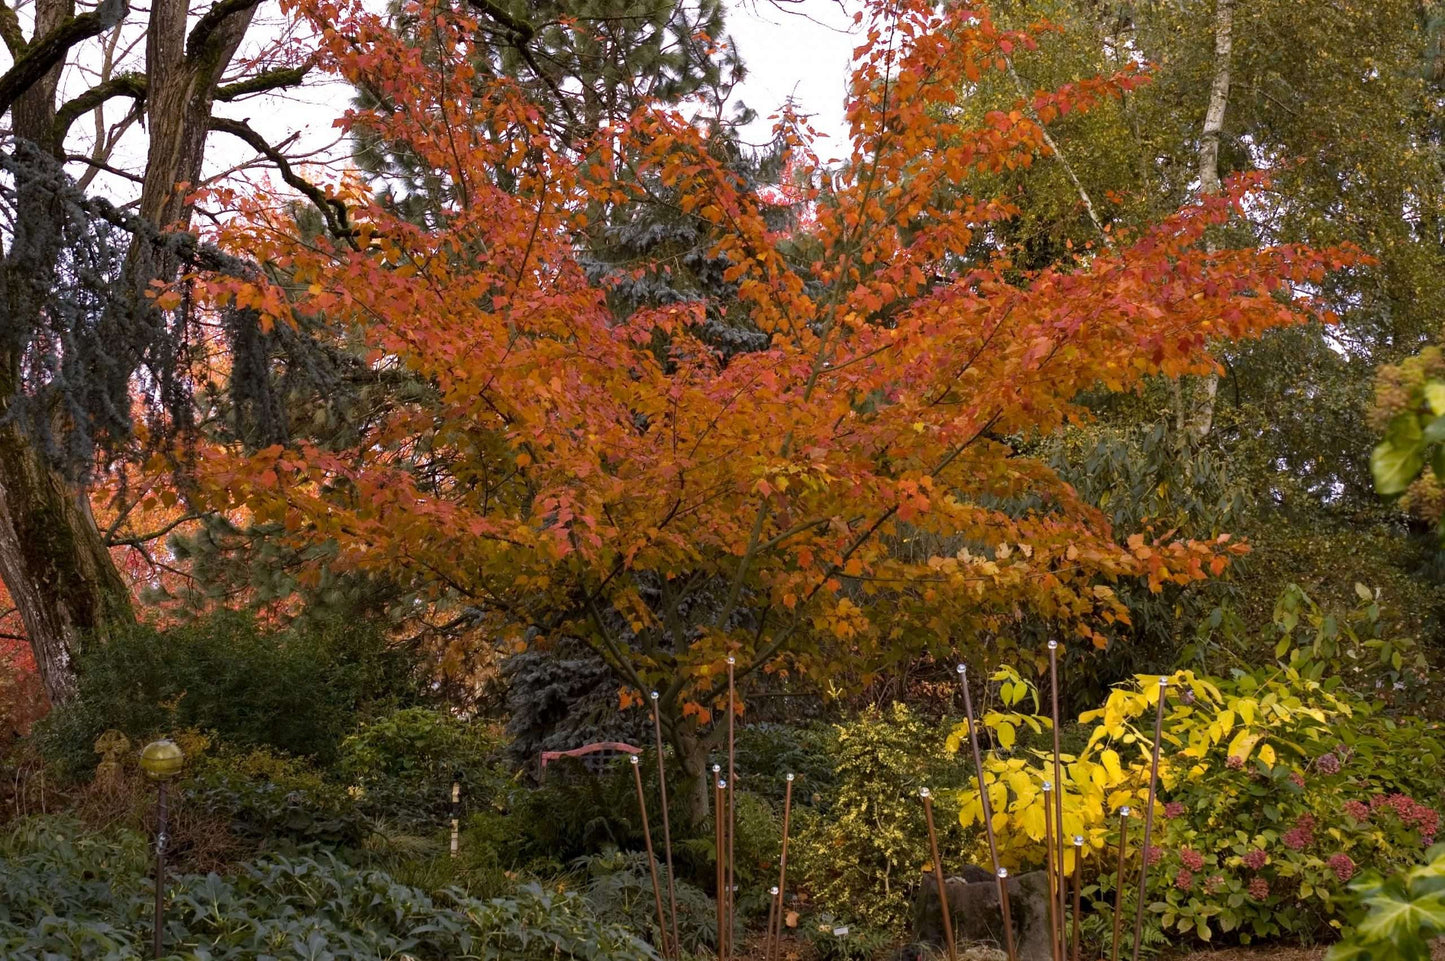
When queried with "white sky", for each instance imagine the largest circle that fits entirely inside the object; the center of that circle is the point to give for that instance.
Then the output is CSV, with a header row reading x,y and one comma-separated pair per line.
x,y
798,49
801,50
793,49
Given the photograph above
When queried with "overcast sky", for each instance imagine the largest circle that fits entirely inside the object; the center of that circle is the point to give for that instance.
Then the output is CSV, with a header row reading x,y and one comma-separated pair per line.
x,y
796,48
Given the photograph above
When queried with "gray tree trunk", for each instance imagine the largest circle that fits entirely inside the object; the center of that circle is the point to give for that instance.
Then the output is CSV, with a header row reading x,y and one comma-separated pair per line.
x,y
53,558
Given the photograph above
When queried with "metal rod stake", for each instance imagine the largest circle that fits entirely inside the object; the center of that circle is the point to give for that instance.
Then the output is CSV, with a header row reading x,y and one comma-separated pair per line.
x,y
1149,816
1061,889
776,942
938,873
162,838
732,805
666,824
1078,881
651,858
998,871
1054,920
717,818
1119,884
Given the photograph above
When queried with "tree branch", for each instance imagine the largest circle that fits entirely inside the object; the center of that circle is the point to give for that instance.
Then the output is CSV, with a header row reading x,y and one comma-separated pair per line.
x,y
43,54
267,80
10,31
125,85
209,23
333,210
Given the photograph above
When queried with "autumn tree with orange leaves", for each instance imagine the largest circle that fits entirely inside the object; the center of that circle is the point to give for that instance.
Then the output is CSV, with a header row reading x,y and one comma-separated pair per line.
x,y
568,471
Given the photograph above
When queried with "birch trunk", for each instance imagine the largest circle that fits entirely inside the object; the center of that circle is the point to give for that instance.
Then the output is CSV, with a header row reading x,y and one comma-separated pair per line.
x,y
1201,419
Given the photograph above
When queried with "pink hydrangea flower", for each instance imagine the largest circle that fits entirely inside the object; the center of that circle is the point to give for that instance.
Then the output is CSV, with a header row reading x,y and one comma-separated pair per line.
x,y
1155,854
1342,865
1174,809
1255,859
1184,880
1259,889
1215,884
1234,762
1191,859
1297,778
1328,764
1297,839
1358,810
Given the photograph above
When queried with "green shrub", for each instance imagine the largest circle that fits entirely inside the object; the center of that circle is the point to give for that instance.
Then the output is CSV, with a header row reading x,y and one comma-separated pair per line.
x,y
861,859
835,941
270,800
403,764
68,894
299,691
767,753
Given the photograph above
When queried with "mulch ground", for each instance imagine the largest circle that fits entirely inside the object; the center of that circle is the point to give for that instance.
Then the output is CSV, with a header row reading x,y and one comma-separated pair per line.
x,y
1275,953
793,949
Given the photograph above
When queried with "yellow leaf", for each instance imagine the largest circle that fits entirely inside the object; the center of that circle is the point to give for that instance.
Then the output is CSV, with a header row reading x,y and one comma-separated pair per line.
x,y
1006,734
1266,754
1110,759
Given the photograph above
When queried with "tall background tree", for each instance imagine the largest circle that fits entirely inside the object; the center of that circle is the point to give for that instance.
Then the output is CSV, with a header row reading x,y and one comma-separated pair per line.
x,y
85,348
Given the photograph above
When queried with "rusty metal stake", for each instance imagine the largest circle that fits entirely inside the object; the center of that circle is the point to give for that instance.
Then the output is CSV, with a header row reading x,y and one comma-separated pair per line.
x,y
1008,924
1078,880
998,871
1061,891
775,941
666,824
717,818
773,910
162,839
651,859
1149,815
1119,884
1054,920
732,805
938,872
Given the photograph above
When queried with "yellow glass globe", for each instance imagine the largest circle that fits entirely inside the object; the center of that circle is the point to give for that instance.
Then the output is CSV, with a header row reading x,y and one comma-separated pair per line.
x,y
162,760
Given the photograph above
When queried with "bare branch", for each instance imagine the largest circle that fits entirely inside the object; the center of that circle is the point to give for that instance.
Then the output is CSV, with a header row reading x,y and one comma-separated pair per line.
x,y
333,210
39,57
206,27
277,79
126,85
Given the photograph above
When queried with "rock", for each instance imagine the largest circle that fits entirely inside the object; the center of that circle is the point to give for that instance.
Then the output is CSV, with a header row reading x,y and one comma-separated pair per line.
x,y
977,921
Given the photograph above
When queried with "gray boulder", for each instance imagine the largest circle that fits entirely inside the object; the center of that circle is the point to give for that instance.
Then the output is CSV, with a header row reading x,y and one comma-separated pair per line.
x,y
977,921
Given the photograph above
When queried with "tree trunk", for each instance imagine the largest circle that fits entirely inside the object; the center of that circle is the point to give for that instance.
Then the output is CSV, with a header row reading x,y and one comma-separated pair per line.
x,y
54,562
1201,420
52,556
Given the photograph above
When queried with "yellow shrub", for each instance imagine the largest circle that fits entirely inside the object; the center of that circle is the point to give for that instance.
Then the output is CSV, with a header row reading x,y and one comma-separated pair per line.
x,y
1272,721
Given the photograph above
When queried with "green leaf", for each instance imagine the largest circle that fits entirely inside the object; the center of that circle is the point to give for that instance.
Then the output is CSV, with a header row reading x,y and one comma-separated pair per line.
x,y
1390,918
1434,431
1396,461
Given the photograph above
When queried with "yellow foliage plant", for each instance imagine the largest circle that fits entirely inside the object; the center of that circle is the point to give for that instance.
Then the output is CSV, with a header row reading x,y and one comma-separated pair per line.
x,y
1275,719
